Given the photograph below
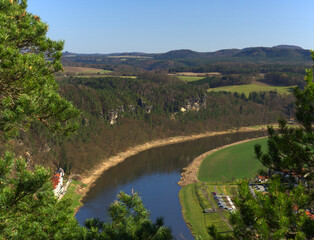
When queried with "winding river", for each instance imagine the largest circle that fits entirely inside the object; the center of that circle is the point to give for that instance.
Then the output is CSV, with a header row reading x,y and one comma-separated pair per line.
x,y
154,174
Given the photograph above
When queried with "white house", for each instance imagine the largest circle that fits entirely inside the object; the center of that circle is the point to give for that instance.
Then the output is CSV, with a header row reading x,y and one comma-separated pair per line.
x,y
57,181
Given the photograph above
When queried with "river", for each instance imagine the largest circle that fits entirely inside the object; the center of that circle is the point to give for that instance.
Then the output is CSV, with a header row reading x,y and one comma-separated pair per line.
x,y
154,174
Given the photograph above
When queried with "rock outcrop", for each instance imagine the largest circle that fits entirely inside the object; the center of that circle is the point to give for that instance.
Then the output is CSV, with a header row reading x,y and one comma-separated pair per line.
x,y
194,104
114,114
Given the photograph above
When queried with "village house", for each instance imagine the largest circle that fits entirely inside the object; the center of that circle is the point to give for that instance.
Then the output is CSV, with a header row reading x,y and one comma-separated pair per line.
x,y
57,181
261,179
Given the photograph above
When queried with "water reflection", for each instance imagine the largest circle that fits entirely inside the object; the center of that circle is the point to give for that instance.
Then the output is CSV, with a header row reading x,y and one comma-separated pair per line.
x,y
154,173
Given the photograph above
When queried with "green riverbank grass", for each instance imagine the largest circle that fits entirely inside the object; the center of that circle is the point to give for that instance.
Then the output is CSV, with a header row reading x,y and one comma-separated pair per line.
x,y
194,200
231,163
74,194
217,173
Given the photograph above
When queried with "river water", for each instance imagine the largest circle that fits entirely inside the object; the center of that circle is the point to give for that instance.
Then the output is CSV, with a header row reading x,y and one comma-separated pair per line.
x,y
154,174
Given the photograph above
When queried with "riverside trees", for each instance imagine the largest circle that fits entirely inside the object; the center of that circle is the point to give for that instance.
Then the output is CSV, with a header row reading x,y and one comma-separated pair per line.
x,y
282,213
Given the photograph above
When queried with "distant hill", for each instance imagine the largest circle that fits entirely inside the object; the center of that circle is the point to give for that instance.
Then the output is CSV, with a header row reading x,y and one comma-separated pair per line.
x,y
281,54
291,53
180,54
288,47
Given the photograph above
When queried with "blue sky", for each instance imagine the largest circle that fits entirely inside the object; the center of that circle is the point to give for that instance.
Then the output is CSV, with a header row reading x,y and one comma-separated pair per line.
x,y
107,26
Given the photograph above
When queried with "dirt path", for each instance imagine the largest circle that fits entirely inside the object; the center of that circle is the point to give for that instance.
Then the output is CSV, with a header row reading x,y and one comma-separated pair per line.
x,y
91,176
189,174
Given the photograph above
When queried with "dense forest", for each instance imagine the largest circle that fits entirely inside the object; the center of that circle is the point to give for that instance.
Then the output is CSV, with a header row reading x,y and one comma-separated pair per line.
x,y
119,112
142,99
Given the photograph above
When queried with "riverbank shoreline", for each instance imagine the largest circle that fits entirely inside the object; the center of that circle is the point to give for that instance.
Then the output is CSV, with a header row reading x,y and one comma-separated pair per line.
x,y
193,190
90,177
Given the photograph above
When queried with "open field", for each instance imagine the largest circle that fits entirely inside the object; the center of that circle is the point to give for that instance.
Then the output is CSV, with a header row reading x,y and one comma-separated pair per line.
x,y
189,78
230,163
106,76
192,74
247,88
85,70
219,170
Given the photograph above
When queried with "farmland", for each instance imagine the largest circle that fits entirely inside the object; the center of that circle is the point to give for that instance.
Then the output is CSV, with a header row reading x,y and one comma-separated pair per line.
x,y
85,70
193,74
230,163
189,78
247,88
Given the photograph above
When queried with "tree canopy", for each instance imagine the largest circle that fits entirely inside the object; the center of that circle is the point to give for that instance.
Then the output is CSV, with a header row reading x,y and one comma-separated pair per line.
x,y
28,207
129,220
28,92
28,59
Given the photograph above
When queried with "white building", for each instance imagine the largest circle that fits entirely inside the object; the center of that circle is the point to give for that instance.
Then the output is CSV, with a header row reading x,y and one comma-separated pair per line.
x,y
57,181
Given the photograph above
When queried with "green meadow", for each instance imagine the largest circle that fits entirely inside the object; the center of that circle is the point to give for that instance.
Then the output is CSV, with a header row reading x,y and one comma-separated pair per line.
x,y
247,88
105,76
218,173
230,163
189,78
74,195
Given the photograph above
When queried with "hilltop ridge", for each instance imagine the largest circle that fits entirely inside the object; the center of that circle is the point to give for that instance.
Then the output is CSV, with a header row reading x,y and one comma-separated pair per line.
x,y
280,54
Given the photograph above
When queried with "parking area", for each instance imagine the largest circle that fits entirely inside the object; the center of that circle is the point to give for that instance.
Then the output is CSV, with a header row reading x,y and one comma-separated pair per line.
x,y
224,201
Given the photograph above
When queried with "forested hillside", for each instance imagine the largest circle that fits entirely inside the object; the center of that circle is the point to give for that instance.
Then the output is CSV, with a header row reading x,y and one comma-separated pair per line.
x,y
123,104
118,113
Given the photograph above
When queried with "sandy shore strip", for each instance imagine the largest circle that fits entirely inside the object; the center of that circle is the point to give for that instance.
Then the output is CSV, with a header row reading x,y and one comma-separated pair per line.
x,y
90,177
189,174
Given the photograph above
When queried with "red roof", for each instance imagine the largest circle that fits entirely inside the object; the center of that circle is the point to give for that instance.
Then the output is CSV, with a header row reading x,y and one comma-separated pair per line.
x,y
55,180
262,177
309,214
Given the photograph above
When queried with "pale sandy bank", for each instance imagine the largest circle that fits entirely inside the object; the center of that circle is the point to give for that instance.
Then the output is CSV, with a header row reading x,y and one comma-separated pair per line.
x,y
90,177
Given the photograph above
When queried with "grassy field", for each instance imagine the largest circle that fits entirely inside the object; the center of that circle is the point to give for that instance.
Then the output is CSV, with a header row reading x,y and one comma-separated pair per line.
x,y
73,194
246,89
191,74
231,163
189,78
85,70
106,76
217,173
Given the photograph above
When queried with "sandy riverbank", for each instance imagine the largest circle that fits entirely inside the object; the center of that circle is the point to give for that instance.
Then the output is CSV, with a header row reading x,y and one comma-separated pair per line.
x,y
189,174
90,177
